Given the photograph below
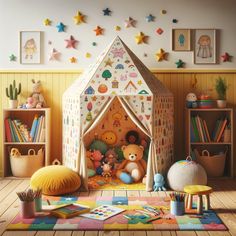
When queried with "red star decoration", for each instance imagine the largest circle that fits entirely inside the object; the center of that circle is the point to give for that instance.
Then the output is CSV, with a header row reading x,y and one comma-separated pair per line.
x,y
98,30
226,57
71,42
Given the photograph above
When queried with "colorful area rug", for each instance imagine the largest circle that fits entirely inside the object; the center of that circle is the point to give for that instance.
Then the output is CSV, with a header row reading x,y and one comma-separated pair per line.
x,y
137,221
98,182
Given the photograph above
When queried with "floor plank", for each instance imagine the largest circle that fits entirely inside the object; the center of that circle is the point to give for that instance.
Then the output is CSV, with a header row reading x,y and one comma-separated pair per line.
x,y
46,233
4,182
63,233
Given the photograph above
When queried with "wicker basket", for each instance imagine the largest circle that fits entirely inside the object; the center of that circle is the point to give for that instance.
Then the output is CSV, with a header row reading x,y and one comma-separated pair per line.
x,y
26,165
214,165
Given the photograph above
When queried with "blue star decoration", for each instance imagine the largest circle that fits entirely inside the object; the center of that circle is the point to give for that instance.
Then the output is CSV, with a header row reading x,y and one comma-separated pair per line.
x,y
106,12
60,27
12,57
179,64
150,18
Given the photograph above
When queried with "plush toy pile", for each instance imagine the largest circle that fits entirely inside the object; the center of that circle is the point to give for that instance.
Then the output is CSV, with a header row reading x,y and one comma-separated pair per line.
x,y
127,162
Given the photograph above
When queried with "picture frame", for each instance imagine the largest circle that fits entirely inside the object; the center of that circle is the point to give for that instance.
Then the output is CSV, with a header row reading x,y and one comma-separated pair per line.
x,y
30,47
181,40
205,50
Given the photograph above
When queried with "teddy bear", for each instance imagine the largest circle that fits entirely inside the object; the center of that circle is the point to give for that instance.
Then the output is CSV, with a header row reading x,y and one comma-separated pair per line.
x,y
36,99
133,167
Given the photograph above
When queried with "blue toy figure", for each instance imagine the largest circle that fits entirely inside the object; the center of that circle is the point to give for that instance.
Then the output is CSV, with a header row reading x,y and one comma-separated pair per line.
x,y
159,183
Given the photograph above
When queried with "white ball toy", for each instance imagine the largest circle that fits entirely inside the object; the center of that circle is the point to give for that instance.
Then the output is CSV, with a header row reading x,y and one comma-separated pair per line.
x,y
186,172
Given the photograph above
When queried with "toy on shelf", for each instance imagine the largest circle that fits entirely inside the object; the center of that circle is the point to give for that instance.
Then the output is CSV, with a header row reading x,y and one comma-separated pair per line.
x,y
205,101
133,168
36,99
159,183
191,100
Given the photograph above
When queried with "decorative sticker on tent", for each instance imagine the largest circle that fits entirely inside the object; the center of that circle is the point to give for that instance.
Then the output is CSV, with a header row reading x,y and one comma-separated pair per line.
x,y
117,74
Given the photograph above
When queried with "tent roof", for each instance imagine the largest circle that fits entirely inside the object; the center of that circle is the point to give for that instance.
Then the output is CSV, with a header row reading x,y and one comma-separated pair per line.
x,y
118,71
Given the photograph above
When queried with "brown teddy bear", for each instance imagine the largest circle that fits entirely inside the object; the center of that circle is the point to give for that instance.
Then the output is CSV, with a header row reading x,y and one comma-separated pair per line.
x,y
133,168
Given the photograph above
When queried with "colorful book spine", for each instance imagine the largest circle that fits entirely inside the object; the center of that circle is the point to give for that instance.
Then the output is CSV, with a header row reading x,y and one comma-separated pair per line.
x,y
37,129
17,124
199,129
42,133
16,139
192,135
221,130
220,123
207,131
33,127
7,131
195,129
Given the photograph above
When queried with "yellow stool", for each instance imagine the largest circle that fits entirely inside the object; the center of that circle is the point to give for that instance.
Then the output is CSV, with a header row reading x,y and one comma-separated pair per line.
x,y
198,190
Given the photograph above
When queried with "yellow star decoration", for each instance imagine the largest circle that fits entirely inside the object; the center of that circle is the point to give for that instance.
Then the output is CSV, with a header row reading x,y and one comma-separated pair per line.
x,y
87,55
161,55
117,28
141,38
73,60
109,62
47,22
140,82
79,18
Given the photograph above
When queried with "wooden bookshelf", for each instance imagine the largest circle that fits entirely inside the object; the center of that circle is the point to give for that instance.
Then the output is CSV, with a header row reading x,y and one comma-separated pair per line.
x,y
27,117
211,116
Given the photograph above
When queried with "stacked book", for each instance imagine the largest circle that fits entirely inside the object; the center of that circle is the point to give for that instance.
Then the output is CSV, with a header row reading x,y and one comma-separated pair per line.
x,y
16,131
199,131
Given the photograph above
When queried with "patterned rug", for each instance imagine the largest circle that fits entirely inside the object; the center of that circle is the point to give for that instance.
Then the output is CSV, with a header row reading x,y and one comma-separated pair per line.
x,y
98,182
137,221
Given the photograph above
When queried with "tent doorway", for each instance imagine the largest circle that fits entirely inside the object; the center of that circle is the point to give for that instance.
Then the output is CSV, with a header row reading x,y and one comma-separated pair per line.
x,y
104,142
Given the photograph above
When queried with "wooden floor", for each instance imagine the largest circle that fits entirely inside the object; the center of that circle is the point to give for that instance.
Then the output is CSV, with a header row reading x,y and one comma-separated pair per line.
x,y
223,200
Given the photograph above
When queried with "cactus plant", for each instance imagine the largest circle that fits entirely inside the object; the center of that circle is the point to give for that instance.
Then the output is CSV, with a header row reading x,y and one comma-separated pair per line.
x,y
12,92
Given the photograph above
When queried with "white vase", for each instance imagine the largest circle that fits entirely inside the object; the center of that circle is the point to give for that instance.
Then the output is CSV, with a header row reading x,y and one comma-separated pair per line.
x,y
13,104
221,103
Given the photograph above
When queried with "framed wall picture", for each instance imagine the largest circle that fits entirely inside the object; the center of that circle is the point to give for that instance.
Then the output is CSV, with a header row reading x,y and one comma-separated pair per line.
x,y
204,46
30,47
181,39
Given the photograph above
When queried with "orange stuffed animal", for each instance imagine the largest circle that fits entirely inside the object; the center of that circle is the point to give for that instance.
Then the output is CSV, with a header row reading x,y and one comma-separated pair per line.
x,y
133,168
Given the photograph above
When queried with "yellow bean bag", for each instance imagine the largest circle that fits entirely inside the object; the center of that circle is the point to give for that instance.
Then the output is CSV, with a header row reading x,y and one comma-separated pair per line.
x,y
55,180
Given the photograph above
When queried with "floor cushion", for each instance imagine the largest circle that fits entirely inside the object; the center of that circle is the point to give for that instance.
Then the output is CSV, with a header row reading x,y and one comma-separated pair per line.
x,y
55,180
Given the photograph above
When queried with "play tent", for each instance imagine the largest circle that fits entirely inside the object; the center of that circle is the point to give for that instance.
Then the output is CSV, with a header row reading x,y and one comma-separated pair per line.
x,y
118,77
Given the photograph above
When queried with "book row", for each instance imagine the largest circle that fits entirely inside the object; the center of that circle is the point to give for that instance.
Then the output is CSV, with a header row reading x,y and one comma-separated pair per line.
x,y
17,131
199,131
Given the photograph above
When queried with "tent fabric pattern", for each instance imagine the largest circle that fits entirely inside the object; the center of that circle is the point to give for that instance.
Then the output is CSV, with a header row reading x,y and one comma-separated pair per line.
x,y
118,73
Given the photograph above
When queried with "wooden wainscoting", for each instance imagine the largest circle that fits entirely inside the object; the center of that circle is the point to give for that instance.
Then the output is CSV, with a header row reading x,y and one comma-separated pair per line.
x,y
180,82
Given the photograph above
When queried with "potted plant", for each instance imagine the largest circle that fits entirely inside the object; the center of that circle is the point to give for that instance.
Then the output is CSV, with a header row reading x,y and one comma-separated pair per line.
x,y
221,88
12,93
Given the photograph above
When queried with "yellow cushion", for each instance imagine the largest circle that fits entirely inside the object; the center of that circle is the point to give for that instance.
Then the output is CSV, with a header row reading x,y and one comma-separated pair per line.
x,y
55,180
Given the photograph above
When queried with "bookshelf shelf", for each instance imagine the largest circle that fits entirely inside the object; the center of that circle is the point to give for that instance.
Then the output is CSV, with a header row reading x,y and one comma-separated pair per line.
x,y
26,116
215,132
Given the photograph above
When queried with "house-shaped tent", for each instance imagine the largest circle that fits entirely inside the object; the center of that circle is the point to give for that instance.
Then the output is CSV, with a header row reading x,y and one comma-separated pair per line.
x,y
117,94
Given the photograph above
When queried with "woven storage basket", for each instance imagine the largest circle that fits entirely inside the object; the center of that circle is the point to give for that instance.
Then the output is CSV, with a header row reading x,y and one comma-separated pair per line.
x,y
213,165
26,165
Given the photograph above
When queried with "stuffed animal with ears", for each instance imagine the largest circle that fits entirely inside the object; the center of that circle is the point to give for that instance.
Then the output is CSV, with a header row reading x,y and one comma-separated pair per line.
x,y
133,167
36,99
106,167
159,183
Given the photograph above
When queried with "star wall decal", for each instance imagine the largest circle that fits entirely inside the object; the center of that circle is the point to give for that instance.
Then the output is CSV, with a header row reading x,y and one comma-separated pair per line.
x,y
179,64
54,56
225,57
161,55
73,60
117,28
79,18
60,27
98,31
130,22
150,18
141,38
12,57
106,12
118,52
71,43
47,22
108,62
